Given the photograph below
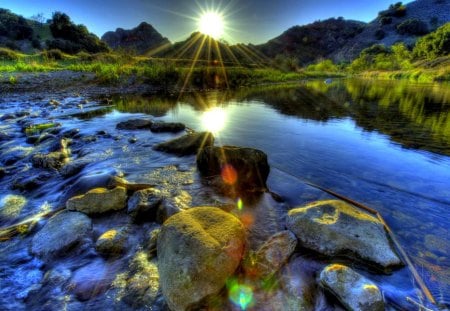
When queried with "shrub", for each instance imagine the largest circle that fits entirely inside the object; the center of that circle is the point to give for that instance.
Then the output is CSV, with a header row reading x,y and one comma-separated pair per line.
x,y
412,26
7,54
395,10
435,44
380,34
385,20
53,54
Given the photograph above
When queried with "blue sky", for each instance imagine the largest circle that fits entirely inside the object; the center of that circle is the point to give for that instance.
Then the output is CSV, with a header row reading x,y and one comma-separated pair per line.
x,y
250,21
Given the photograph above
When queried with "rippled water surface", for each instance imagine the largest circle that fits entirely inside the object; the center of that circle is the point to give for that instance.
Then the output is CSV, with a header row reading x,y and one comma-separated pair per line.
x,y
383,144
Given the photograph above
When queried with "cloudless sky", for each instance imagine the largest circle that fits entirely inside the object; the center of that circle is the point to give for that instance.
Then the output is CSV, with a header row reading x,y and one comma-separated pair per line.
x,y
248,21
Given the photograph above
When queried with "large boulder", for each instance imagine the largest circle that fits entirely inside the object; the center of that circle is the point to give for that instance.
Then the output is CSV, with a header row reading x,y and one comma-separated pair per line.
x,y
99,200
134,124
60,233
188,144
244,168
198,250
353,290
333,227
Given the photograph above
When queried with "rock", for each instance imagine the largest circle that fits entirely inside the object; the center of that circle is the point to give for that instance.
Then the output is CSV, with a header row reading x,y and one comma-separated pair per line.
x,y
99,200
172,205
333,227
53,160
60,233
60,145
2,172
353,290
244,168
143,282
152,240
198,250
29,183
143,204
272,255
187,144
72,168
134,124
112,242
93,279
160,127
132,140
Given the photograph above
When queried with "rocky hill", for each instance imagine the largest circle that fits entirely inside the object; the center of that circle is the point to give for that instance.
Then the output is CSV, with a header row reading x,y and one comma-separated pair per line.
x,y
310,42
141,39
399,23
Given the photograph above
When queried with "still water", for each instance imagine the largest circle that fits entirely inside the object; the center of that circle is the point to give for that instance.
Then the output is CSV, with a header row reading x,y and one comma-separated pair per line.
x,y
384,144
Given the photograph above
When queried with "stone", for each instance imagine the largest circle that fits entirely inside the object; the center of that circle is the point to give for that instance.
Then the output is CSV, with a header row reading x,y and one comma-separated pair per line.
x,y
334,227
188,144
169,127
112,242
174,204
134,124
52,160
143,204
60,233
99,200
142,285
353,290
271,256
198,250
243,168
72,168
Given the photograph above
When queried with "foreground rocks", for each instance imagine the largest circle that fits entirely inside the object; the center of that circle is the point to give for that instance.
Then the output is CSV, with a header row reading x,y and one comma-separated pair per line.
x,y
187,144
334,227
60,233
99,200
354,291
198,250
245,168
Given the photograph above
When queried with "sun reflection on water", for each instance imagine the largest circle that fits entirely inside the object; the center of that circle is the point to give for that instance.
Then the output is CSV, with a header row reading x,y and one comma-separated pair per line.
x,y
214,120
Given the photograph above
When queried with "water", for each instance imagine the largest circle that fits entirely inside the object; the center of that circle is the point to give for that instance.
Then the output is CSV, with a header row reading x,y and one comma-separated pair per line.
x,y
384,144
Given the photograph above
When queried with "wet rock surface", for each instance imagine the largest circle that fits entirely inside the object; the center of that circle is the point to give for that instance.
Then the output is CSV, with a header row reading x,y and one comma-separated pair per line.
x,y
187,145
143,204
99,200
112,242
135,124
198,250
336,228
60,233
244,168
353,290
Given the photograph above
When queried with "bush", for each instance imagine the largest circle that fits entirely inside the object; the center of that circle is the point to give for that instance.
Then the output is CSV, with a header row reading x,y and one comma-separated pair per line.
x,y
385,20
395,10
435,44
380,34
53,54
7,54
412,26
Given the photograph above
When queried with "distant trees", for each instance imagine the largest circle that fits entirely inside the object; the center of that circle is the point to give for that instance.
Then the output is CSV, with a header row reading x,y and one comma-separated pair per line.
x,y
71,38
14,27
379,57
413,26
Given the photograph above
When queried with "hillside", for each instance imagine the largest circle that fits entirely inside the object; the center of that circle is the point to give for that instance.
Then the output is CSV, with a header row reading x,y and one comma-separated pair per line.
x,y
313,41
399,23
140,39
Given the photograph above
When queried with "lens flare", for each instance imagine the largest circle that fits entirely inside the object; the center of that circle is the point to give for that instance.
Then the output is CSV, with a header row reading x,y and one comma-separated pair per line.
x,y
229,174
240,294
211,24
214,119
240,204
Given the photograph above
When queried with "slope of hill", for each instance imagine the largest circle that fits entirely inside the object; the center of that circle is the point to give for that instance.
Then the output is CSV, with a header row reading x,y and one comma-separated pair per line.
x,y
141,39
399,23
311,42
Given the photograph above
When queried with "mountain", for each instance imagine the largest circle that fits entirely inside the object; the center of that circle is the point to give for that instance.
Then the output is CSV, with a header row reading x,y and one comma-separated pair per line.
x,y
142,39
313,41
399,23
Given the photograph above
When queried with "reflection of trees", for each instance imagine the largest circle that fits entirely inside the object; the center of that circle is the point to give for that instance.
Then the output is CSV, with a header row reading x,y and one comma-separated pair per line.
x,y
417,116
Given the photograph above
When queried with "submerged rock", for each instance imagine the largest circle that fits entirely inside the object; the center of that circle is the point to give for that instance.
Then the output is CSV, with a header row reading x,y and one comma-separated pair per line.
x,y
60,233
272,255
198,250
169,127
112,242
134,124
99,200
187,144
243,168
353,290
143,204
333,227
52,160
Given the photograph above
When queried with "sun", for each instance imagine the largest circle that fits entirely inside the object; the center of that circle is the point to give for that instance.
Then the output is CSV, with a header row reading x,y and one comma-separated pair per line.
x,y
211,24
214,119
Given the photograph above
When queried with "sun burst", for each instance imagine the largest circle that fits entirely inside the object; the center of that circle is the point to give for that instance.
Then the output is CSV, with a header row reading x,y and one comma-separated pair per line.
x,y
211,24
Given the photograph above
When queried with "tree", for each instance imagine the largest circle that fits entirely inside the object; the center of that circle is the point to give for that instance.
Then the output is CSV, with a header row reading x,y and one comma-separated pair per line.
x,y
39,18
435,44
